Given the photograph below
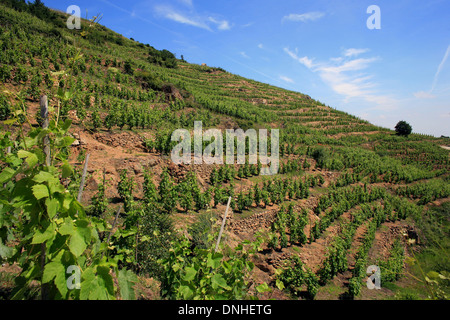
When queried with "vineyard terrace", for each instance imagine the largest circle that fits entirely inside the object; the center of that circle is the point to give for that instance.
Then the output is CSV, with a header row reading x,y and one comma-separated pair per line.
x,y
213,153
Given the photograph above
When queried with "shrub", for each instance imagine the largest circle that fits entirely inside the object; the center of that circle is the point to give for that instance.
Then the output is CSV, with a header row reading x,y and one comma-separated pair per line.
x,y
128,68
321,156
204,274
392,268
125,189
167,193
403,128
295,274
5,73
99,202
354,286
5,108
156,233
148,80
149,188
96,120
200,230
312,284
21,75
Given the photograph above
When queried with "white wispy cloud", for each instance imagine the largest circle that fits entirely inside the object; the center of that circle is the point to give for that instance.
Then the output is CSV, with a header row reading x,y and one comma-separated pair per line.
x,y
428,94
303,60
171,14
424,95
191,18
287,79
303,17
441,65
261,46
243,54
186,2
347,76
352,65
221,24
354,52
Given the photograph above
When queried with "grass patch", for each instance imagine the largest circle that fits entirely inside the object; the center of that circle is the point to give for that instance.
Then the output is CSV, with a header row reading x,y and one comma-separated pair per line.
x,y
330,291
390,286
407,294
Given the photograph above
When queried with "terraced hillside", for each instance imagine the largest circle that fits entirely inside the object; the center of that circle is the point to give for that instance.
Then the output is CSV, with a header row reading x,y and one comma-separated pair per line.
x,y
348,194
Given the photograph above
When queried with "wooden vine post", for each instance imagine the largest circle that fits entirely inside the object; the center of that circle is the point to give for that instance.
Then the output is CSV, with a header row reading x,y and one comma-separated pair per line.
x,y
83,177
112,228
44,117
46,149
223,225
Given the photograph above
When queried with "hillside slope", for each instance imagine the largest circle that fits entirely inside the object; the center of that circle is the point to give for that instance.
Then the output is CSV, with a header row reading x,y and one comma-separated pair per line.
x,y
344,184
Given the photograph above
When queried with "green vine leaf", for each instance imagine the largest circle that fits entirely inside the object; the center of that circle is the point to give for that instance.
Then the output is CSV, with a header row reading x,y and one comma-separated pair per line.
x,y
40,191
43,236
89,285
43,176
5,251
190,274
52,207
77,244
105,281
30,158
67,170
217,280
6,175
187,292
126,280
280,285
67,227
263,287
55,270
214,260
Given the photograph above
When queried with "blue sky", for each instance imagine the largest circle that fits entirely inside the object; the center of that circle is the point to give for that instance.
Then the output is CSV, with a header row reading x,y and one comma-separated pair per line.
x,y
320,48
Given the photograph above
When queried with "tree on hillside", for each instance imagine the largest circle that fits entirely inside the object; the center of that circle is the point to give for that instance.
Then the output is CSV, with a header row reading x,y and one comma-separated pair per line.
x,y
403,128
321,156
